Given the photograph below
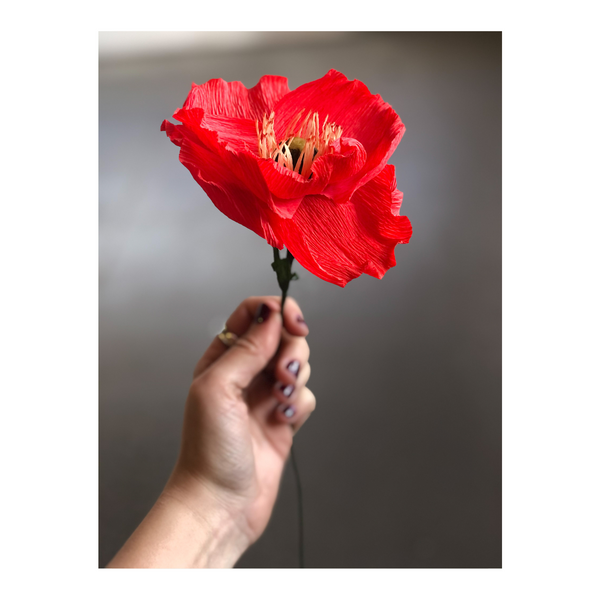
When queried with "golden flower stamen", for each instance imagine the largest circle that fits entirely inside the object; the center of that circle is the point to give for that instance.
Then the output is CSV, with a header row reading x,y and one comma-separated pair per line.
x,y
305,140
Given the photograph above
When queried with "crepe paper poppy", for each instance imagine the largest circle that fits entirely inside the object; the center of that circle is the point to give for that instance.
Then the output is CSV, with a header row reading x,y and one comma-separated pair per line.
x,y
305,169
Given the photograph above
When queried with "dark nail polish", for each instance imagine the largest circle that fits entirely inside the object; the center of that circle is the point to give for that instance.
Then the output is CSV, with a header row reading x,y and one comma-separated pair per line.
x,y
288,410
286,390
294,367
300,320
262,313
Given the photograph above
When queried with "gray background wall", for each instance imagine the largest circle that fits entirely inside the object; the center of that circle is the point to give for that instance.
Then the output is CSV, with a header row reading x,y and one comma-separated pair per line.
x,y
401,462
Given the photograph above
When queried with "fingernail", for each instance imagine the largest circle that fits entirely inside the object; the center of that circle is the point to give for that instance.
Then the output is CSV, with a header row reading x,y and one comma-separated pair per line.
x,y
301,320
287,410
286,390
294,367
262,313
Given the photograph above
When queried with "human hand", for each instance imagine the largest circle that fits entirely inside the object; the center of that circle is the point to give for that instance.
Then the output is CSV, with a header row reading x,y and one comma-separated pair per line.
x,y
244,405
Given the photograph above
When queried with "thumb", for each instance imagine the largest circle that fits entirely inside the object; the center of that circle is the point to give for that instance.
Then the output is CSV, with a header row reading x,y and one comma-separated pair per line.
x,y
252,351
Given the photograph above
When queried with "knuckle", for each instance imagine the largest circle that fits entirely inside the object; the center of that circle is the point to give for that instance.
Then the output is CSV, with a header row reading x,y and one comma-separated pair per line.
x,y
205,383
292,301
250,301
309,400
251,346
248,344
298,347
306,373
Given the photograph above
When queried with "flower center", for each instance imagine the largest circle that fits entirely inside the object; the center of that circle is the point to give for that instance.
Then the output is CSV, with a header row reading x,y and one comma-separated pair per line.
x,y
303,143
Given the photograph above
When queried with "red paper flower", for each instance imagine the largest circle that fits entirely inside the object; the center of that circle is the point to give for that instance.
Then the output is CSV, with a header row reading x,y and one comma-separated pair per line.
x,y
305,169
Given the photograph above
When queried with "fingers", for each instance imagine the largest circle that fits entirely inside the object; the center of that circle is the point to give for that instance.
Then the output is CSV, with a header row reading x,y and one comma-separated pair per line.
x,y
267,399
296,414
238,323
242,318
253,350
287,393
293,320
293,354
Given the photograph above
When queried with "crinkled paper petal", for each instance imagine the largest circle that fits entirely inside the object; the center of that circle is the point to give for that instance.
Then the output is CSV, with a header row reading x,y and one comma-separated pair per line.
x,y
347,159
338,242
232,99
280,189
362,116
234,134
288,184
232,181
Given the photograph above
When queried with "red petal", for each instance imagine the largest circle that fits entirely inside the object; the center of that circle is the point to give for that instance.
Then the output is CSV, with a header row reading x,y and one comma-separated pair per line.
x,y
338,242
281,189
234,134
287,184
348,159
362,116
220,98
231,180
172,131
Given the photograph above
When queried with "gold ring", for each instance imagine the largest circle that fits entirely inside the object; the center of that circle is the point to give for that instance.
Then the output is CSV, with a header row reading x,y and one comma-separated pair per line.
x,y
227,337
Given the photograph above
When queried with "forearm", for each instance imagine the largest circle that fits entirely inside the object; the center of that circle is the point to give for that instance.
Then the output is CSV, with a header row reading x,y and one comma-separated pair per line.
x,y
184,529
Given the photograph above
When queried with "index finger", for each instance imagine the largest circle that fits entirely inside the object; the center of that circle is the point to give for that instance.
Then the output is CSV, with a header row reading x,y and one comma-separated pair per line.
x,y
241,319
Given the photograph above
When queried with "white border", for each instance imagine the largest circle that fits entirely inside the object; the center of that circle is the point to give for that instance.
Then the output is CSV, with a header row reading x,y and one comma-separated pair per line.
x,y
49,250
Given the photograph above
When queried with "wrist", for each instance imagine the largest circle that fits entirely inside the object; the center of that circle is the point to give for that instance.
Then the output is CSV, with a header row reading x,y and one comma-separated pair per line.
x,y
189,526
217,525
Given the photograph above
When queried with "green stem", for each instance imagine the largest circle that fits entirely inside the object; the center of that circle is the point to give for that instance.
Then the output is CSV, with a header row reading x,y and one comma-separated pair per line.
x,y
283,268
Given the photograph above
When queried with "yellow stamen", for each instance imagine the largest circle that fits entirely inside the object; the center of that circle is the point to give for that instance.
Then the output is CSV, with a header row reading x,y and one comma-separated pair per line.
x,y
304,141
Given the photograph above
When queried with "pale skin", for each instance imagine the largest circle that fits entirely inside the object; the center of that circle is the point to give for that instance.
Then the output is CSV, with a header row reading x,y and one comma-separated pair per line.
x,y
239,421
